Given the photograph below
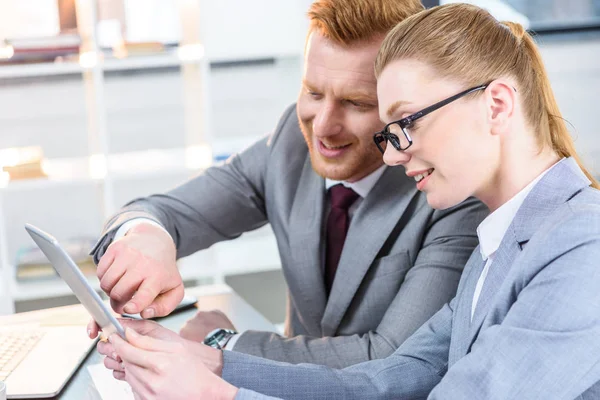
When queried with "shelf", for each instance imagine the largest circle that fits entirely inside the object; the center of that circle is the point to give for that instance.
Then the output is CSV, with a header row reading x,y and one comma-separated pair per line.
x,y
172,58
130,165
74,171
45,183
41,69
251,253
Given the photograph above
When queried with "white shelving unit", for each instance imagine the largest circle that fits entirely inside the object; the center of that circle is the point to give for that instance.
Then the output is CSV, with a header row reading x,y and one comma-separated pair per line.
x,y
88,107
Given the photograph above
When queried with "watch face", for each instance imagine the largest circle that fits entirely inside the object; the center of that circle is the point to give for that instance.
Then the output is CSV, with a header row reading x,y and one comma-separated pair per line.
x,y
218,338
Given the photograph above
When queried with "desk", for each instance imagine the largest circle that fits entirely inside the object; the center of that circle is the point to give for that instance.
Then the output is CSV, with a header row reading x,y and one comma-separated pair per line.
x,y
220,297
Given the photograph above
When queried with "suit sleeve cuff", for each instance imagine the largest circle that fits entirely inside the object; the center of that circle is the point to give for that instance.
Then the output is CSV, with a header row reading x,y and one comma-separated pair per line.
x,y
123,229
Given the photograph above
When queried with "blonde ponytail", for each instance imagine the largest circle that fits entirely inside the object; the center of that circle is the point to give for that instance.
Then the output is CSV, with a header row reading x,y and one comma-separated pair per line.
x,y
553,126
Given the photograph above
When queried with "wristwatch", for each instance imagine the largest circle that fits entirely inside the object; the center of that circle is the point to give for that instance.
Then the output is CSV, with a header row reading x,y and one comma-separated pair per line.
x,y
218,338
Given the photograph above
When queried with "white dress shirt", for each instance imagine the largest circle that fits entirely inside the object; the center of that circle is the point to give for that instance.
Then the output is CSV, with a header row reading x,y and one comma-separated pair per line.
x,y
492,229
361,187
123,229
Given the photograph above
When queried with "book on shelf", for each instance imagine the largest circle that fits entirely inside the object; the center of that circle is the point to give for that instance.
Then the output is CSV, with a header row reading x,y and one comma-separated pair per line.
x,y
44,56
129,49
40,49
26,170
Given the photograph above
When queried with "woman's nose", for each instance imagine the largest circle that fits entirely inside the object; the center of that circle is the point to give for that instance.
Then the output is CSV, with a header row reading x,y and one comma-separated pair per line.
x,y
394,157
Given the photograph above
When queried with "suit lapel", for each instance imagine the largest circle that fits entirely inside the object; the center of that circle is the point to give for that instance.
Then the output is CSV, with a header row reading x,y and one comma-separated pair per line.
x,y
305,233
503,261
559,185
375,219
462,315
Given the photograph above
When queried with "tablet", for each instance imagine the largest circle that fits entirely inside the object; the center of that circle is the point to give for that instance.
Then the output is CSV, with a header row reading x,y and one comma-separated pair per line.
x,y
72,275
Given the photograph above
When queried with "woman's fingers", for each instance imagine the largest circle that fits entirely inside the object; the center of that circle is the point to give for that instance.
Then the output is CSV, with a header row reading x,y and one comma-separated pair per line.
x,y
114,364
129,353
140,380
149,343
119,375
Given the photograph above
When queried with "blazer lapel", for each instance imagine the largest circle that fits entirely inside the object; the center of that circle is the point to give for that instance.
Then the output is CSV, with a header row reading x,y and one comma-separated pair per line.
x,y
375,219
559,185
503,261
462,314
305,233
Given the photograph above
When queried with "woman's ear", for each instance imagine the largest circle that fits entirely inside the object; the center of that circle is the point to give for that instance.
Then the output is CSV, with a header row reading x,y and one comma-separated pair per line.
x,y
501,101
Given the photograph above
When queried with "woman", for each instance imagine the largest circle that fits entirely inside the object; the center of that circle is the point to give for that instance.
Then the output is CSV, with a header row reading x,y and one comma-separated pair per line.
x,y
470,112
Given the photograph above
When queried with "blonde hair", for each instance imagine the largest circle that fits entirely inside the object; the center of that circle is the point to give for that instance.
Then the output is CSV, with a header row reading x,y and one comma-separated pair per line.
x,y
348,21
464,42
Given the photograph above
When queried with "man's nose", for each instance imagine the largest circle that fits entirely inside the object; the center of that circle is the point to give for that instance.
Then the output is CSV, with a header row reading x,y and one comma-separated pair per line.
x,y
395,157
327,122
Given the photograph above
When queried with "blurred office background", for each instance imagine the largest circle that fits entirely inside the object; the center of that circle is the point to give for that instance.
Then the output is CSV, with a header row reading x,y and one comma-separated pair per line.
x,y
103,101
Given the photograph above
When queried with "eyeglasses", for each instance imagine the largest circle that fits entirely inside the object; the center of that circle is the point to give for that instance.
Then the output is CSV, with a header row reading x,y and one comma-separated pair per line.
x,y
398,132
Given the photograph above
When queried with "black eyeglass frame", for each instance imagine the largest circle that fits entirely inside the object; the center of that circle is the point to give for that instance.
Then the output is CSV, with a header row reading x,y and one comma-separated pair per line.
x,y
385,136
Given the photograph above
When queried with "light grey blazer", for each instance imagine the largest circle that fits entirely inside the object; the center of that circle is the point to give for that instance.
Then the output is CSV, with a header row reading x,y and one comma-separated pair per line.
x,y
400,263
535,333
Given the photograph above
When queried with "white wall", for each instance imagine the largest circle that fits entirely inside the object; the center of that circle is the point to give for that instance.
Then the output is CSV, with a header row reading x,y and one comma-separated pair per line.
x,y
242,29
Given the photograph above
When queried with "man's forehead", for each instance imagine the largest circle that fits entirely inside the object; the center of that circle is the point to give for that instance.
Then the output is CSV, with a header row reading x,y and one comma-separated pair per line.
x,y
357,58
342,84
319,72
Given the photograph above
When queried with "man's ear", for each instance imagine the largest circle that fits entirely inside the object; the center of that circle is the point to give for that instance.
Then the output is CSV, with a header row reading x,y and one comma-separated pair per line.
x,y
501,101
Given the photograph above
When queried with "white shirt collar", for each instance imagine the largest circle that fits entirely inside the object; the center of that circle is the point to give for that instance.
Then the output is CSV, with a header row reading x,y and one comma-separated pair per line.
x,y
363,186
492,229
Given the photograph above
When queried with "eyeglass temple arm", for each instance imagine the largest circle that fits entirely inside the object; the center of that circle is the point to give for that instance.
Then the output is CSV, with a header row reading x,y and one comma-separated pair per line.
x,y
442,103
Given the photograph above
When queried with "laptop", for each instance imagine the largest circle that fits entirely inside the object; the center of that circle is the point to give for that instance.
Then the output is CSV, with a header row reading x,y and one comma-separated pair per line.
x,y
38,359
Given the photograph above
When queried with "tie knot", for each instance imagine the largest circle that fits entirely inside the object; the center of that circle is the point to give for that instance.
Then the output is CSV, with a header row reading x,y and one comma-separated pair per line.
x,y
342,197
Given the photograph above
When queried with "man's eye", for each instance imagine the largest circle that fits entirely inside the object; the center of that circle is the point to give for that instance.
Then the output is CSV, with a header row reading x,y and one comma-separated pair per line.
x,y
358,104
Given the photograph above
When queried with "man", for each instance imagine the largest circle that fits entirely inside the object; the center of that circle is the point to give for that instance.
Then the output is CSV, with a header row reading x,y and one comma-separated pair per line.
x,y
394,265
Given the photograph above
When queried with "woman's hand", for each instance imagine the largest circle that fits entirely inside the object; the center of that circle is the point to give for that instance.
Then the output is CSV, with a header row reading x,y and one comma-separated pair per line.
x,y
158,363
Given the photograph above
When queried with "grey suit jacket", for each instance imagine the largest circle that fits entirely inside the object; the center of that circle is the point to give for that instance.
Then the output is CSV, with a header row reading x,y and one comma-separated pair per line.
x,y
535,333
400,263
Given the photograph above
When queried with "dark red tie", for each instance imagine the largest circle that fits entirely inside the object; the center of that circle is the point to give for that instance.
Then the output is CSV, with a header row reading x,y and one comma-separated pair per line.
x,y
341,198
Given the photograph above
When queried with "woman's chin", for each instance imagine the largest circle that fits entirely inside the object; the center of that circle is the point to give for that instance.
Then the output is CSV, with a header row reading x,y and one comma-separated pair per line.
x,y
441,201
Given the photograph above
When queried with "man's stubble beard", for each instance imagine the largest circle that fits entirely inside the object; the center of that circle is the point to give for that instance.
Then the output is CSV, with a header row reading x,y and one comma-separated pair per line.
x,y
345,170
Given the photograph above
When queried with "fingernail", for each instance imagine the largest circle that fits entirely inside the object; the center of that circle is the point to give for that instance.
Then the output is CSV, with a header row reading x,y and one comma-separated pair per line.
x,y
89,332
129,308
122,366
115,355
149,313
